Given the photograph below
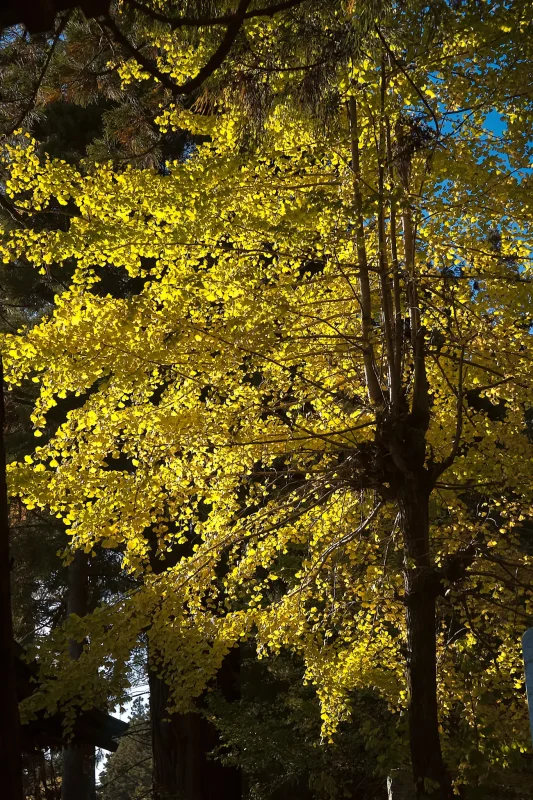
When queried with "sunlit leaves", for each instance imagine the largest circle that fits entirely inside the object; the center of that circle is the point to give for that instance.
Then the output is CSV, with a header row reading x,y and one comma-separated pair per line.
x,y
223,413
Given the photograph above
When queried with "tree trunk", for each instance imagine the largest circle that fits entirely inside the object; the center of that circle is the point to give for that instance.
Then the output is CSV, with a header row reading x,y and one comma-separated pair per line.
x,y
165,741
400,785
429,771
181,743
78,780
10,752
182,769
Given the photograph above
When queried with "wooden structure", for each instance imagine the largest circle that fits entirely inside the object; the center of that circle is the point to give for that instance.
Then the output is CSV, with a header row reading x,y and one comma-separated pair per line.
x,y
92,728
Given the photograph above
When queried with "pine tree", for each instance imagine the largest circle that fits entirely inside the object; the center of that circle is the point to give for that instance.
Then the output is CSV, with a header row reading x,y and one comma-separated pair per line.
x,y
127,774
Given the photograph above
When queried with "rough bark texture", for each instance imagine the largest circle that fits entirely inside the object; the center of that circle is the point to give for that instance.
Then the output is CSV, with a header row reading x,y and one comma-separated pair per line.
x,y
180,745
78,780
10,753
430,775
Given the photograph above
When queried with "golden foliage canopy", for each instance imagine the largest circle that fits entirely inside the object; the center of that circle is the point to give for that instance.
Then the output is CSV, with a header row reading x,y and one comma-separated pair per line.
x,y
225,418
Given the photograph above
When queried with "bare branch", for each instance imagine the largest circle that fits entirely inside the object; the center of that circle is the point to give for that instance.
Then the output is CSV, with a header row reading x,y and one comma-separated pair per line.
x,y
398,332
406,75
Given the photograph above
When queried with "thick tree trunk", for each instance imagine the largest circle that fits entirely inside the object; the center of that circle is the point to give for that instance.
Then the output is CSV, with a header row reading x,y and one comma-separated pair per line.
x,y
174,748
400,785
78,779
181,743
78,595
10,753
429,771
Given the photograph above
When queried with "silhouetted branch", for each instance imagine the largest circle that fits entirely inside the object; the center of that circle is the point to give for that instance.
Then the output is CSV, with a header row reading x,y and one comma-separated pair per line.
x,y
224,19
216,60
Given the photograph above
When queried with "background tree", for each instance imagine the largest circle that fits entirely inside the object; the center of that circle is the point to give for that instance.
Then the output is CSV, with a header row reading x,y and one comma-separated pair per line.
x,y
41,598
127,774
273,734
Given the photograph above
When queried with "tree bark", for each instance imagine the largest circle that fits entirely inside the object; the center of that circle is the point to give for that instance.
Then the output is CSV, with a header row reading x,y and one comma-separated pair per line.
x,y
372,383
181,743
10,752
78,779
429,772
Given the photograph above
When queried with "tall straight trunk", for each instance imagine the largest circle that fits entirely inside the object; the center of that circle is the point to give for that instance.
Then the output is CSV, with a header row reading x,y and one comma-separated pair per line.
x,y
181,743
174,748
429,771
78,778
371,377
10,752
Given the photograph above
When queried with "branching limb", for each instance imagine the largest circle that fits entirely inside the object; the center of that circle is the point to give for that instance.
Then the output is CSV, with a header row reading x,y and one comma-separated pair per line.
x,y
349,537
372,384
386,304
448,461
205,21
214,63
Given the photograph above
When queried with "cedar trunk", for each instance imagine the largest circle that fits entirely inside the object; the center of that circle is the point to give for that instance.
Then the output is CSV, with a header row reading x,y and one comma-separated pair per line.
x,y
10,753
78,777
181,743
429,772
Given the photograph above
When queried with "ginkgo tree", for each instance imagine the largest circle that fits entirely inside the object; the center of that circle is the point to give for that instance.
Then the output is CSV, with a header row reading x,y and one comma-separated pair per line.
x,y
320,399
